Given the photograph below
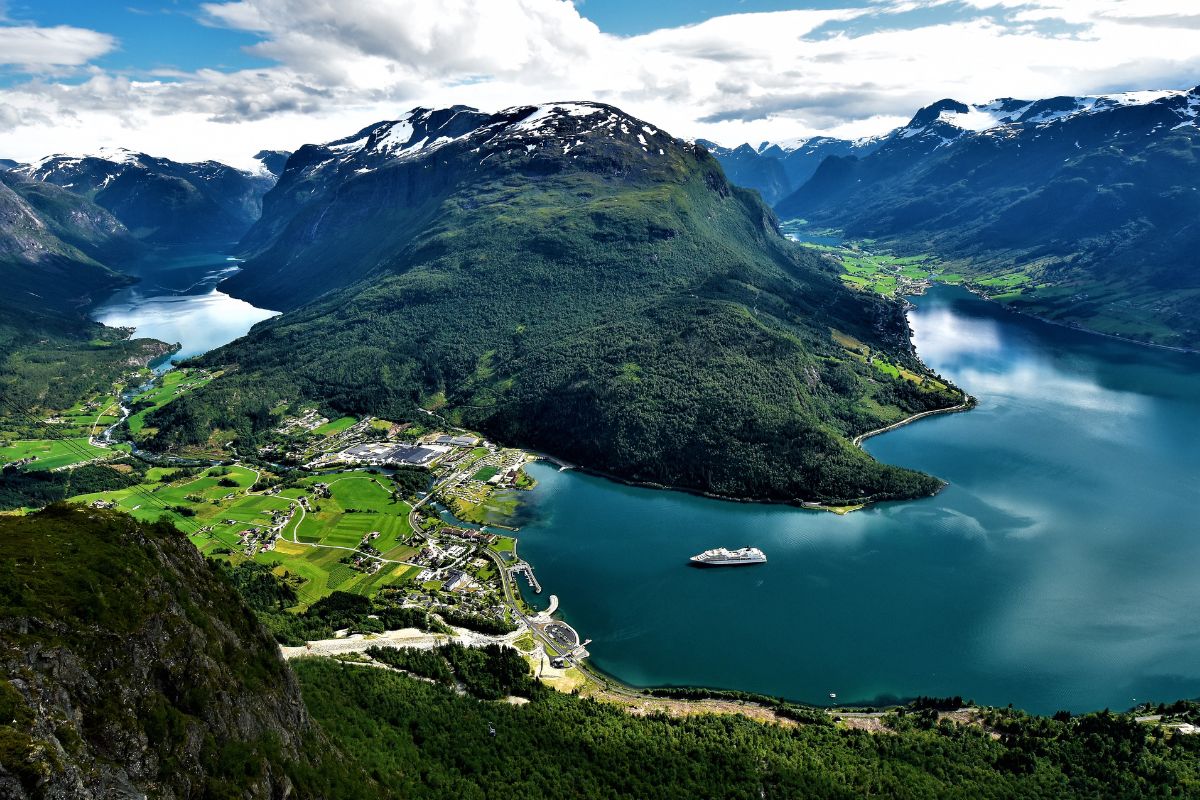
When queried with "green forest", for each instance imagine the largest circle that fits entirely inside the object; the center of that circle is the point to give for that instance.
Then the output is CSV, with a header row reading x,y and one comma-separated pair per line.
x,y
424,740
639,317
127,658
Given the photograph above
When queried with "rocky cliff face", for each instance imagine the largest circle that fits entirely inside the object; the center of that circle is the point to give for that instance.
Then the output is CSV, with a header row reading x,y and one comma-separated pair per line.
x,y
54,247
131,670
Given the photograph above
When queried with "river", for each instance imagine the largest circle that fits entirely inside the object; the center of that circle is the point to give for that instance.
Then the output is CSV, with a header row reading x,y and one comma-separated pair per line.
x,y
176,301
1056,570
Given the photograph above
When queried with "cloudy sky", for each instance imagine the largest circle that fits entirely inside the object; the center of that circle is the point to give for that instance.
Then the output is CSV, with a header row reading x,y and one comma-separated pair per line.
x,y
193,80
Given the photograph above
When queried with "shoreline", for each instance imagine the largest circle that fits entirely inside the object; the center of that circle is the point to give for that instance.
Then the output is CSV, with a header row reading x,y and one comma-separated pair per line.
x,y
966,405
1074,326
852,505
836,508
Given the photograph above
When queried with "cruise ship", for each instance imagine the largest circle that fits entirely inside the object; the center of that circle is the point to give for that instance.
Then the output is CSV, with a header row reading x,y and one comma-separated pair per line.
x,y
721,557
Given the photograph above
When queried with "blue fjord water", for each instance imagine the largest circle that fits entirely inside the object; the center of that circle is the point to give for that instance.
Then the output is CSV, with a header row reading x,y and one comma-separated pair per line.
x,y
1058,569
176,300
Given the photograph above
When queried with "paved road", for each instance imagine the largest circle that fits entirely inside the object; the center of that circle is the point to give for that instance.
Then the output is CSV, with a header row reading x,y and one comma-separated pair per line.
x,y
409,637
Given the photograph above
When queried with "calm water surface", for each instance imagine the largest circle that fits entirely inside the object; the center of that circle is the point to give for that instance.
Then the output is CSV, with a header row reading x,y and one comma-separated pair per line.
x,y
1057,570
176,301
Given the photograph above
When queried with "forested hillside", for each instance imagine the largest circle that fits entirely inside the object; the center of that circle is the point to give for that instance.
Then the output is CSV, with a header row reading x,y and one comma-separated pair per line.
x,y
433,743
571,279
131,668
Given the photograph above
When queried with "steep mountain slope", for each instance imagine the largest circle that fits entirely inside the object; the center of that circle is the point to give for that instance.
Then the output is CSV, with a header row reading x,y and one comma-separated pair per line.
x,y
776,169
55,252
568,278
131,670
53,246
159,200
1081,209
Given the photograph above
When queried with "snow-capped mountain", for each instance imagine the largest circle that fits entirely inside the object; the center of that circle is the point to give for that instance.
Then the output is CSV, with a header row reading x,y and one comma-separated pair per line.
x,y
406,162
776,169
1099,192
948,121
272,162
160,200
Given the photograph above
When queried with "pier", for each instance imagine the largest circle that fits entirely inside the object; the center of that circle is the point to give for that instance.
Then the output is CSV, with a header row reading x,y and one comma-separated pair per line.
x,y
524,569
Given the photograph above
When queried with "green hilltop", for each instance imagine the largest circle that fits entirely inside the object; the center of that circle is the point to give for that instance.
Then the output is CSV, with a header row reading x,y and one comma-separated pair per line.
x,y
570,279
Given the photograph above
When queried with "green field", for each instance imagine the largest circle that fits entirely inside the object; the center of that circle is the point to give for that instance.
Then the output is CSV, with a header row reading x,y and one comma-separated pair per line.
x,y
334,426
360,503
51,453
485,474
881,273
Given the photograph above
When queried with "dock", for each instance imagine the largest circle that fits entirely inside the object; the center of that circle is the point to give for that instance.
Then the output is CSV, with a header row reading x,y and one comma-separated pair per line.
x,y
524,569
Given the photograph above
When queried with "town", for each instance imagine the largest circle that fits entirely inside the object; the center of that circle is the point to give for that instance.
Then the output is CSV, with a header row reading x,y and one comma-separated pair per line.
x,y
420,514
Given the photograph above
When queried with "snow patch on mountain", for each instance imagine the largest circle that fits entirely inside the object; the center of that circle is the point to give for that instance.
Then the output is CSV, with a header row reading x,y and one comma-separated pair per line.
x,y
977,118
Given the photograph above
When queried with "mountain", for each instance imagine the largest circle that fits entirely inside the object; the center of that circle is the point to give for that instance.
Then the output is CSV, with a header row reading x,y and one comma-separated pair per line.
x,y
8,163
776,169
131,669
273,161
1081,209
159,200
56,255
54,247
746,168
384,181
572,279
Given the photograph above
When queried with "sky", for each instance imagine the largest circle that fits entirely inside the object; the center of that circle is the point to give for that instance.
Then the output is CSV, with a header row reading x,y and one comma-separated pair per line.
x,y
193,80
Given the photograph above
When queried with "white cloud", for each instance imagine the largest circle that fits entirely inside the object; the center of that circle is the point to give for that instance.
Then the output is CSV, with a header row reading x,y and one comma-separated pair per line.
x,y
851,71
30,47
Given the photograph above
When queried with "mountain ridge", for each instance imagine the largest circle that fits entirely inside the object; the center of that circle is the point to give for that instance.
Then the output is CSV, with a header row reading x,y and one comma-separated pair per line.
x,y
159,200
1076,209
569,278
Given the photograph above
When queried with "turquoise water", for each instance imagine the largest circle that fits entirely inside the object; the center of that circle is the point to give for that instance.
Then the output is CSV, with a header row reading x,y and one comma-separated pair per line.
x,y
176,301
1057,570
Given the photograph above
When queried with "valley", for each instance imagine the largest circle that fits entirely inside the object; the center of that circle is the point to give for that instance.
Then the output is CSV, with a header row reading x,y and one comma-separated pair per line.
x,y
1069,208
438,411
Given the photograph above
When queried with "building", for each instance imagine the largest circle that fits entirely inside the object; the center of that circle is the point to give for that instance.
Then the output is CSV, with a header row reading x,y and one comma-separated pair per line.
x,y
386,453
457,441
456,580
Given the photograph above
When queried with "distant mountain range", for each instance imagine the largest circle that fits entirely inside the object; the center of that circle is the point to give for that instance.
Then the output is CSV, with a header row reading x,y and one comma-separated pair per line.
x,y
69,225
162,201
776,169
1080,209
569,278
